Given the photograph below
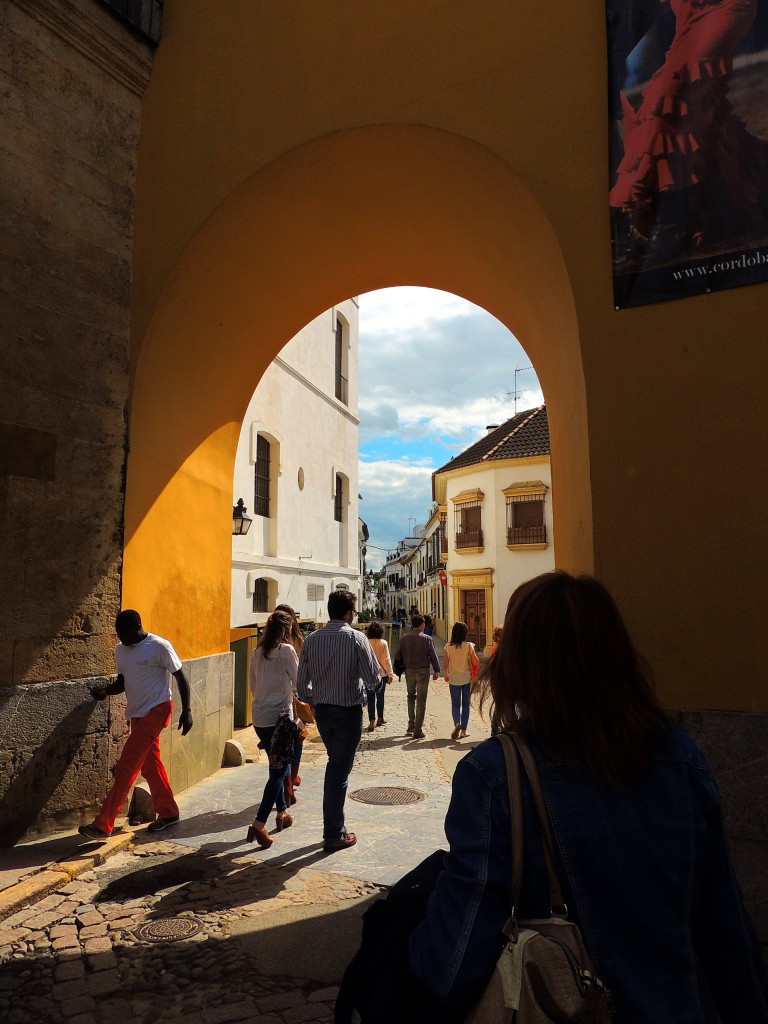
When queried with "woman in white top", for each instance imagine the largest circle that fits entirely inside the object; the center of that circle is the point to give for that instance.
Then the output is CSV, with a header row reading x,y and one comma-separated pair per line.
x,y
460,659
272,679
375,634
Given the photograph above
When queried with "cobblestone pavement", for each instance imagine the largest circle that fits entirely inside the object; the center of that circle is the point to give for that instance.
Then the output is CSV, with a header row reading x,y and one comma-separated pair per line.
x,y
276,927
77,956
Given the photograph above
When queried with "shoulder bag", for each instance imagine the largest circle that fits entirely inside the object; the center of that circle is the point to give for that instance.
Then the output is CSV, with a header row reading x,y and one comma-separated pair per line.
x,y
544,974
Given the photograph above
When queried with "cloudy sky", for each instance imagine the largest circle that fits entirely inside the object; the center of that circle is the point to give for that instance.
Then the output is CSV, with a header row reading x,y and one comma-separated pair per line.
x,y
434,371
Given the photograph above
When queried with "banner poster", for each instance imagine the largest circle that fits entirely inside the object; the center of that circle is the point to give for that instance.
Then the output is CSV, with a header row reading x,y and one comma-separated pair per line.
x,y
688,106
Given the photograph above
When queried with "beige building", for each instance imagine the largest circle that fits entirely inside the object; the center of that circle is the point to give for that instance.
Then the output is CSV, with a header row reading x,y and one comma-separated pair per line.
x,y
497,505
296,472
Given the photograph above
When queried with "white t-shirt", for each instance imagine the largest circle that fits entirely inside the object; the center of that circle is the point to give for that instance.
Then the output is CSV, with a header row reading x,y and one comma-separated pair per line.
x,y
147,668
272,681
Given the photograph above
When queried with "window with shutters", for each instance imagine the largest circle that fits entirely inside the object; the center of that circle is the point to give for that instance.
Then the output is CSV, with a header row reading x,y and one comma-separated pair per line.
x,y
261,595
468,520
341,361
526,514
338,499
261,477
443,534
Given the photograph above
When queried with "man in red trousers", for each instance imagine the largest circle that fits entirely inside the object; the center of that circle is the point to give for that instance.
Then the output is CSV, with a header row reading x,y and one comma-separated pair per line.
x,y
145,663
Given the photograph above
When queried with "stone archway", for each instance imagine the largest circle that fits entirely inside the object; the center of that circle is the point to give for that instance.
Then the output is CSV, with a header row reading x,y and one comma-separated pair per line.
x,y
344,214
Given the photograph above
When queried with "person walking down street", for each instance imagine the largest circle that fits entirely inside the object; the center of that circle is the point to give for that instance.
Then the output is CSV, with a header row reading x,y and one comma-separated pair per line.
x,y
337,669
145,664
460,659
272,679
296,641
375,634
417,652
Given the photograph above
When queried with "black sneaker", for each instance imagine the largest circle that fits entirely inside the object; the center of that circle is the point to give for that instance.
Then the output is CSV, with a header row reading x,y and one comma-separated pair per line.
x,y
160,823
419,735
91,832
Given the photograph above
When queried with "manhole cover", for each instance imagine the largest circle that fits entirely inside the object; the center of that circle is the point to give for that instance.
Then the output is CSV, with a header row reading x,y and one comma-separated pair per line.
x,y
387,795
169,929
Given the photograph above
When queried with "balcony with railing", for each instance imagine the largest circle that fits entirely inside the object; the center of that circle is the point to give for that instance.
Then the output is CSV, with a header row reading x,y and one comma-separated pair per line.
x,y
469,539
527,534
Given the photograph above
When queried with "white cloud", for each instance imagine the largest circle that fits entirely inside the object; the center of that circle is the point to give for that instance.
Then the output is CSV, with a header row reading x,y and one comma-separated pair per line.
x,y
393,490
435,370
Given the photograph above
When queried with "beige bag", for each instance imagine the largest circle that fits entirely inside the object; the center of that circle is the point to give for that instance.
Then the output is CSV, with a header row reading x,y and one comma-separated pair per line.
x,y
544,974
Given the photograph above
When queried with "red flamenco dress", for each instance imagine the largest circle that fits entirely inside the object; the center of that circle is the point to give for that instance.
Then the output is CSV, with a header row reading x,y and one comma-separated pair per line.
x,y
692,175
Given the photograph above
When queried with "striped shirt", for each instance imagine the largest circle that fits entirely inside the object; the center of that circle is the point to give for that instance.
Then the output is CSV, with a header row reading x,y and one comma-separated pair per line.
x,y
337,666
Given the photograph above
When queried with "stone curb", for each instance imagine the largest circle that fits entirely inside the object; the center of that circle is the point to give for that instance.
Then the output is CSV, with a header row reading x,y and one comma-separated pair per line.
x,y
49,878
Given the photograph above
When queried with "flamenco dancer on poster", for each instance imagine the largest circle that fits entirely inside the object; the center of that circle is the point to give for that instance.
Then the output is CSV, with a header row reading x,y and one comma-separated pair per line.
x,y
692,176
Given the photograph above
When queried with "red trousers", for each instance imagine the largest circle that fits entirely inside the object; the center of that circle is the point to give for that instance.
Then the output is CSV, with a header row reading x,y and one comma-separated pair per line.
x,y
141,753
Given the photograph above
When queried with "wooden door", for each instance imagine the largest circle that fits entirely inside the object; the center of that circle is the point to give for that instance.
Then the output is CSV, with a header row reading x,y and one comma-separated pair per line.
x,y
473,613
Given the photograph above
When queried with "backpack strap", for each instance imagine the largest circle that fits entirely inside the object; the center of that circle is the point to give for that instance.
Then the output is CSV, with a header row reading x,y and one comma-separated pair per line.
x,y
517,819
556,902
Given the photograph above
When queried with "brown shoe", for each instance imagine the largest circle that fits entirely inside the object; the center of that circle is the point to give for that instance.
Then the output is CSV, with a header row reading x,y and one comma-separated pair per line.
x,y
455,733
258,831
381,721
283,820
347,839
371,725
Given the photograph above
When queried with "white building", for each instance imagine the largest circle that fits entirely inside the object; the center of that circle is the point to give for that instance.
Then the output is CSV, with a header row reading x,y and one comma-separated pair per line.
x,y
496,505
296,472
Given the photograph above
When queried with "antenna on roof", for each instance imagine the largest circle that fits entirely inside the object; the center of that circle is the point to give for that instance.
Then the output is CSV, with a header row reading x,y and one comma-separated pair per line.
x,y
516,394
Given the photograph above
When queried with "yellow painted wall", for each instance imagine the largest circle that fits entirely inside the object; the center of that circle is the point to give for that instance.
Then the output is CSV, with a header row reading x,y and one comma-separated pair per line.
x,y
295,154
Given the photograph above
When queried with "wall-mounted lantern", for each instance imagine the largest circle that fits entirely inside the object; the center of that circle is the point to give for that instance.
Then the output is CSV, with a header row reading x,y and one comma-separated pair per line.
x,y
241,523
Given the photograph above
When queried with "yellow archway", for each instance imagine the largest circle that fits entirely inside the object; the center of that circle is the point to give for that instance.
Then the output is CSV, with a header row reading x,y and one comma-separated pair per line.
x,y
338,216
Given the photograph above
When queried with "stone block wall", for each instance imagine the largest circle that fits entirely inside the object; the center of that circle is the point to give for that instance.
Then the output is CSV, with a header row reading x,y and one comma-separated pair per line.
x,y
72,80
58,746
199,754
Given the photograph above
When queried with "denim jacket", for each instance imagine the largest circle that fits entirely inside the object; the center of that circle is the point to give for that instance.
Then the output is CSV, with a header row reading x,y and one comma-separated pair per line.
x,y
645,873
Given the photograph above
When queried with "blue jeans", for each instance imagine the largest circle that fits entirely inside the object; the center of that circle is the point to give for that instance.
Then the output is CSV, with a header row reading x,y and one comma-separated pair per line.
x,y
274,794
376,701
460,704
340,730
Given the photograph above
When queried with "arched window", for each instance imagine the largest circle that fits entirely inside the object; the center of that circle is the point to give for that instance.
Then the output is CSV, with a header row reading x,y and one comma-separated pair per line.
x,y
261,595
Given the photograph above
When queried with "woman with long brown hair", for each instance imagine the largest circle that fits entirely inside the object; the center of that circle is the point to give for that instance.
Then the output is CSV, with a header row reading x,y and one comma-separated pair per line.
x,y
296,640
272,680
639,845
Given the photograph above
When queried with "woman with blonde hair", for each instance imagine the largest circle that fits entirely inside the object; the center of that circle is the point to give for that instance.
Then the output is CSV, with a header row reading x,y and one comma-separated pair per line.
x,y
459,662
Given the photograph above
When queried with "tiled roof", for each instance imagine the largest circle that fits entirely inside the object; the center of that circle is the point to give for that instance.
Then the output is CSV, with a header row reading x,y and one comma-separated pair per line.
x,y
525,435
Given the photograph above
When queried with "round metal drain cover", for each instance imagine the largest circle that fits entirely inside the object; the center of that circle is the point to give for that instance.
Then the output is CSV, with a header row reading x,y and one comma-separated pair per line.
x,y
169,929
388,795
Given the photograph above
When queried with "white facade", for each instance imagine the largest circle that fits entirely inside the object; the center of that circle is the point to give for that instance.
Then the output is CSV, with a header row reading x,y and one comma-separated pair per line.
x,y
304,540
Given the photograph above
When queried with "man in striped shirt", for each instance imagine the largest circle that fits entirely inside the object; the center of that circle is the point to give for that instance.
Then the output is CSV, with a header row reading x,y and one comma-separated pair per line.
x,y
337,668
